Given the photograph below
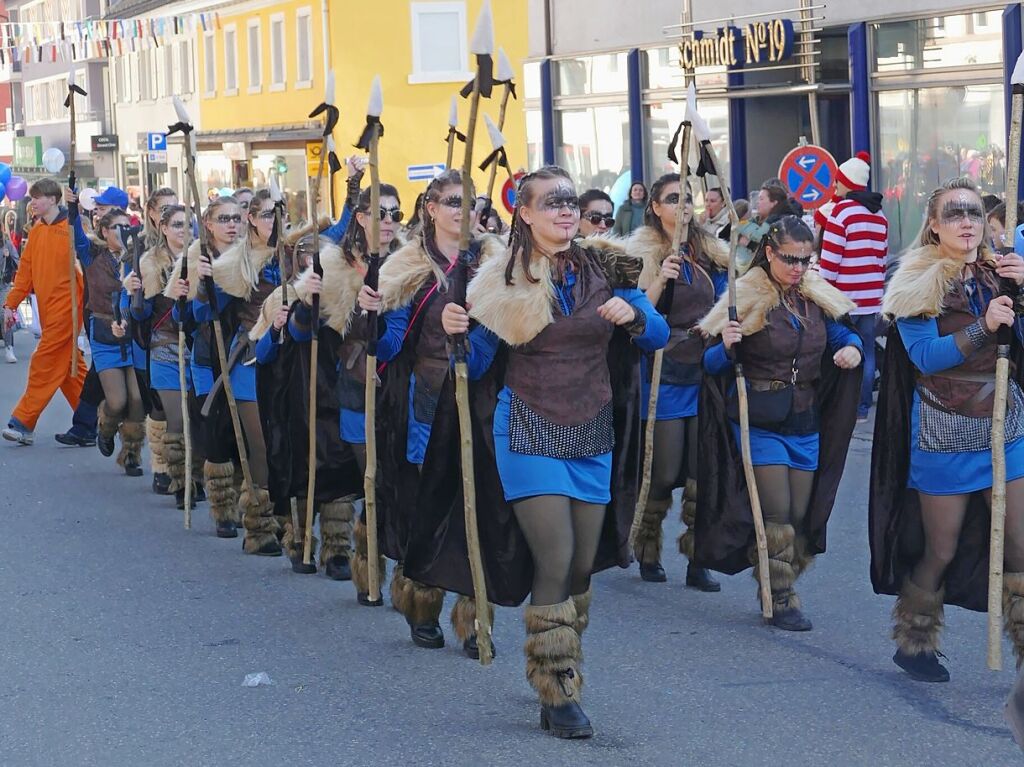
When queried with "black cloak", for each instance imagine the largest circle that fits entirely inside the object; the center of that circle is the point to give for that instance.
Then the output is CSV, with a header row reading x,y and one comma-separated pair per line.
x,y
894,510
724,530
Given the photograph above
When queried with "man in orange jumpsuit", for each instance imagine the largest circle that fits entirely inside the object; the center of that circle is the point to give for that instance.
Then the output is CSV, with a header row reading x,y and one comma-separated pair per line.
x,y
45,270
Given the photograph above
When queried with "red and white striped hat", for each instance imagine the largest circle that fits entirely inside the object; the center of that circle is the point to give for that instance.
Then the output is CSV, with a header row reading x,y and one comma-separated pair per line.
x,y
855,172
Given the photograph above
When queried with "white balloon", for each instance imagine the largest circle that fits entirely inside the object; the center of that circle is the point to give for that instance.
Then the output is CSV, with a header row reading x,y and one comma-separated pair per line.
x,y
87,198
53,159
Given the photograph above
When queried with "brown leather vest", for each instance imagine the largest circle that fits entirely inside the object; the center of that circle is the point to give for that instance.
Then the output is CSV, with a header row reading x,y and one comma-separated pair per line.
x,y
969,398
249,311
690,302
768,355
432,362
562,374
165,329
103,276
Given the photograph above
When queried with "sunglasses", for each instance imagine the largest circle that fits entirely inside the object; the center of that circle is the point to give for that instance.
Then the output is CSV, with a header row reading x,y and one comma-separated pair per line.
x,y
557,202
395,214
453,201
224,218
598,218
789,259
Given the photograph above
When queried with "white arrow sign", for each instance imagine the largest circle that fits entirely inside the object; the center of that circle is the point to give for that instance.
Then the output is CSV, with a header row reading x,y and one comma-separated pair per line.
x,y
807,162
811,195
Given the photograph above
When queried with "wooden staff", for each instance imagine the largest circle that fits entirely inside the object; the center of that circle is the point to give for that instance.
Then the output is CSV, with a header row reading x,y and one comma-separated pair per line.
x,y
453,132
69,102
184,125
680,234
482,47
700,127
505,77
331,118
182,384
373,111
996,533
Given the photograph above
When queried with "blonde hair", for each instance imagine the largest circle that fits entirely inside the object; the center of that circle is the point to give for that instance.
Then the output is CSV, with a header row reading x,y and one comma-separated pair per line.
x,y
927,237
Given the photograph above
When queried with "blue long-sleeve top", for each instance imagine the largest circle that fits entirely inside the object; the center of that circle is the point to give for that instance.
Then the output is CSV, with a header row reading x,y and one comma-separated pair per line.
x,y
267,346
126,307
203,310
336,231
483,344
716,358
83,245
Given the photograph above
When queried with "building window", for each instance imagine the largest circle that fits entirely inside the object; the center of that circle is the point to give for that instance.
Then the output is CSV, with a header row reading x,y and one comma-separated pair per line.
x,y
587,75
950,41
184,67
278,72
255,55
439,52
592,143
303,48
209,64
660,123
230,60
146,76
167,72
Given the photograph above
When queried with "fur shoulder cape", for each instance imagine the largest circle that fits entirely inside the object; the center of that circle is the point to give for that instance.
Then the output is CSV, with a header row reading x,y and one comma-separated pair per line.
x,y
648,244
267,311
341,284
403,272
193,271
757,294
154,265
236,271
921,282
517,313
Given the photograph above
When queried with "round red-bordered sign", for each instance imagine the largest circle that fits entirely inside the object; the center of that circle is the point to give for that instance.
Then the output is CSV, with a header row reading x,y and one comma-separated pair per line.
x,y
809,174
508,192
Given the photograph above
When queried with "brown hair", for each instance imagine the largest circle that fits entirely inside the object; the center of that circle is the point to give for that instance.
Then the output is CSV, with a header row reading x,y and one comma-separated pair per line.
x,y
694,237
450,177
354,242
46,187
108,218
520,240
152,232
927,237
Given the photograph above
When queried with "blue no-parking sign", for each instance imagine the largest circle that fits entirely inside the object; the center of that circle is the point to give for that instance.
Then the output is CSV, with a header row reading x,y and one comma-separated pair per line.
x,y
808,173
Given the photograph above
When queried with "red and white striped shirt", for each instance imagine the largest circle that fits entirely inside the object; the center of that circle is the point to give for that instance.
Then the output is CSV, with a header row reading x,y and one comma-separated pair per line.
x,y
853,254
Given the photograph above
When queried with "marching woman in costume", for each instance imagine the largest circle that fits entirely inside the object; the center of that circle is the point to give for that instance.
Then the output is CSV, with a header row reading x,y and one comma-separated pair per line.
x,y
559,448
416,282
244,275
801,415
156,267
122,409
697,276
931,464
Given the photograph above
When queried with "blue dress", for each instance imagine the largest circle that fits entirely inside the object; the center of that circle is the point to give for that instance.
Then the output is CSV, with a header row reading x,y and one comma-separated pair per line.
x,y
163,374
768,448
582,479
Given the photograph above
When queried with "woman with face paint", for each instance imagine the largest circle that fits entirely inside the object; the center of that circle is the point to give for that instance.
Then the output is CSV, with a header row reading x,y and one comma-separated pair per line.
x,y
801,363
684,287
556,441
931,467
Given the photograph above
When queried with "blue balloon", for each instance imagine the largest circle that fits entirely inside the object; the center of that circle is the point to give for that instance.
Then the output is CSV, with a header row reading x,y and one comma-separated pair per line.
x,y
3,189
5,173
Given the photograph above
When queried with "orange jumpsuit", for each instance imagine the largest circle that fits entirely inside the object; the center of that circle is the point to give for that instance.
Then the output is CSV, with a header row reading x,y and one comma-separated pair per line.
x,y
44,269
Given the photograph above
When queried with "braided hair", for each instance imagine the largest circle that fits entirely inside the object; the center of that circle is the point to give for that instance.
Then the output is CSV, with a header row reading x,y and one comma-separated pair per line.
x,y
427,231
520,242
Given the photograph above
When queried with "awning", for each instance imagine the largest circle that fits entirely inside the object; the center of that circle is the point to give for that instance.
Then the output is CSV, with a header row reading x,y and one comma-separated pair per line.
x,y
259,135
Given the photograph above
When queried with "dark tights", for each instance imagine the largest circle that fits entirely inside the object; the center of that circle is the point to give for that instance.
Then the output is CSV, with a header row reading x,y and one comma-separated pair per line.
x,y
785,494
942,517
670,441
563,535
219,438
121,395
169,410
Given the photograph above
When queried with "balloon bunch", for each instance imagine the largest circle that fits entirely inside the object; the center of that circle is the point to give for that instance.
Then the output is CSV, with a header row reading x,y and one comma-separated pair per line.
x,y
12,187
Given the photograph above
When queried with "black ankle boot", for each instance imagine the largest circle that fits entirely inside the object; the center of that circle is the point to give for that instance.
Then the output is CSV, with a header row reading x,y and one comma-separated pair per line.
x,y
364,599
105,445
272,548
565,721
338,568
131,468
790,620
200,493
699,578
472,650
179,499
227,530
924,667
299,566
427,635
652,572
161,483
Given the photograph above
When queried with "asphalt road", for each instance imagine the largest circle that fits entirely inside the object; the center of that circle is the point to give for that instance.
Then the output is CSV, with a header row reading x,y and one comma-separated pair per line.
x,y
124,640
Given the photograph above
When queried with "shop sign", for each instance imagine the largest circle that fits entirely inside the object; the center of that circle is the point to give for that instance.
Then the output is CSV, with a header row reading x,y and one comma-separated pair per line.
x,y
313,158
104,142
28,151
760,42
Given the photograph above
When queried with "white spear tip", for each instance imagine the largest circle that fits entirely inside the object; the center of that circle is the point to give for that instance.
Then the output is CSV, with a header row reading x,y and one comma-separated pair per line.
x,y
700,126
179,109
483,35
275,190
497,140
330,144
453,113
1017,78
505,70
329,88
72,75
376,105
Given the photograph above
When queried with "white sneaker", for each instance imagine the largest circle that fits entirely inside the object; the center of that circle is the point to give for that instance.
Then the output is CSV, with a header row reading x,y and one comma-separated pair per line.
x,y
9,355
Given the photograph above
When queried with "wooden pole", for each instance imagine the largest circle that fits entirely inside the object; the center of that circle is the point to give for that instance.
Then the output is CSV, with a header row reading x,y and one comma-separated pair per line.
x,y
72,253
451,148
501,125
182,385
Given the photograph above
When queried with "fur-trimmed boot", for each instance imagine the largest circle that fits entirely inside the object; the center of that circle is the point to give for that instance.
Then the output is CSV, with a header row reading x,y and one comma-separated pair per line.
x,y
464,625
361,570
917,622
399,583
259,522
336,519
174,456
786,613
1013,612
106,430
582,603
293,542
647,547
198,462
421,605
219,479
130,457
155,431
696,577
553,656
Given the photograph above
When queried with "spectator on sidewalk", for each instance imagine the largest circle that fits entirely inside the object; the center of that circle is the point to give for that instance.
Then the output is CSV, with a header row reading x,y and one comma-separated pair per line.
x,y
854,248
8,269
631,213
716,215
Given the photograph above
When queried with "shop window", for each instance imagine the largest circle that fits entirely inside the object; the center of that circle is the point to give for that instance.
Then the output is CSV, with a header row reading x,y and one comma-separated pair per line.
x,y
209,64
660,125
950,41
278,74
254,42
592,74
230,60
439,51
592,143
531,80
929,135
534,139
303,48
